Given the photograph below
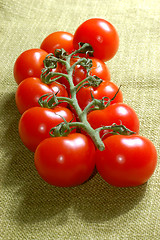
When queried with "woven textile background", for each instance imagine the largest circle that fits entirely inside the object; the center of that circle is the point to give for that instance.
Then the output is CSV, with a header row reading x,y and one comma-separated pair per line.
x,y
32,209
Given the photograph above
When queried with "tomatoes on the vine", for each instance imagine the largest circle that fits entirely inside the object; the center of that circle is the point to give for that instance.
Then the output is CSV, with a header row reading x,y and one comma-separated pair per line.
x,y
127,160
105,89
117,113
29,64
101,35
31,89
35,124
58,40
65,161
78,74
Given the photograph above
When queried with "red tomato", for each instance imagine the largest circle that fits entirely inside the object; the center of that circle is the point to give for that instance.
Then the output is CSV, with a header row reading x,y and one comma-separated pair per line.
x,y
127,160
65,161
29,64
31,89
101,35
106,89
118,113
36,122
58,40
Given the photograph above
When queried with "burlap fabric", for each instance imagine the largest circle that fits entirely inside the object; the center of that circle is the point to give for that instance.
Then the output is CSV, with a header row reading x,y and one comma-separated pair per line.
x,y
32,209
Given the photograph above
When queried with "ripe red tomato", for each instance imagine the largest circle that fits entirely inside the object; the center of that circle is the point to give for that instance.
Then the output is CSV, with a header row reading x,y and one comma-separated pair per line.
x,y
65,161
35,124
31,89
118,113
58,40
106,89
29,64
127,160
101,35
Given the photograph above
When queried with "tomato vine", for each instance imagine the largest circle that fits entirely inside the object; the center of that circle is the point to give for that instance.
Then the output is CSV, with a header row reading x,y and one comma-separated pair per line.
x,y
48,77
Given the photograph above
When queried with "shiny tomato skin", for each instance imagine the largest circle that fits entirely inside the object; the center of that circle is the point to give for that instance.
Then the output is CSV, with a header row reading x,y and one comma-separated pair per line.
x,y
106,89
127,161
35,124
29,64
65,161
118,113
58,40
101,35
31,89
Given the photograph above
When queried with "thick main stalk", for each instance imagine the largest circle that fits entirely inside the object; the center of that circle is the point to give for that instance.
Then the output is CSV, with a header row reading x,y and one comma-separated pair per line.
x,y
81,114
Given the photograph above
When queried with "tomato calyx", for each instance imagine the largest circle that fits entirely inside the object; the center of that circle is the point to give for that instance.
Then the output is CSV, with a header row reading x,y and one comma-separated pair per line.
x,y
62,129
50,63
60,53
87,49
47,99
115,129
50,100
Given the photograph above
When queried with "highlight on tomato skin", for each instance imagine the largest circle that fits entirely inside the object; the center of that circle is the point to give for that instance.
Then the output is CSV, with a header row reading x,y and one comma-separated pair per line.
x,y
65,161
127,161
101,35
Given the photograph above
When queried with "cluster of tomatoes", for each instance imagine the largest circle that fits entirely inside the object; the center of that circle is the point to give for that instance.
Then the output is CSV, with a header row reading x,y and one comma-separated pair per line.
x,y
128,160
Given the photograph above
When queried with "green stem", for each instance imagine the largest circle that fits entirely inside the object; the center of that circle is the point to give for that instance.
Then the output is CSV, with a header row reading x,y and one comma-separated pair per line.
x,y
47,79
82,114
79,85
84,124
